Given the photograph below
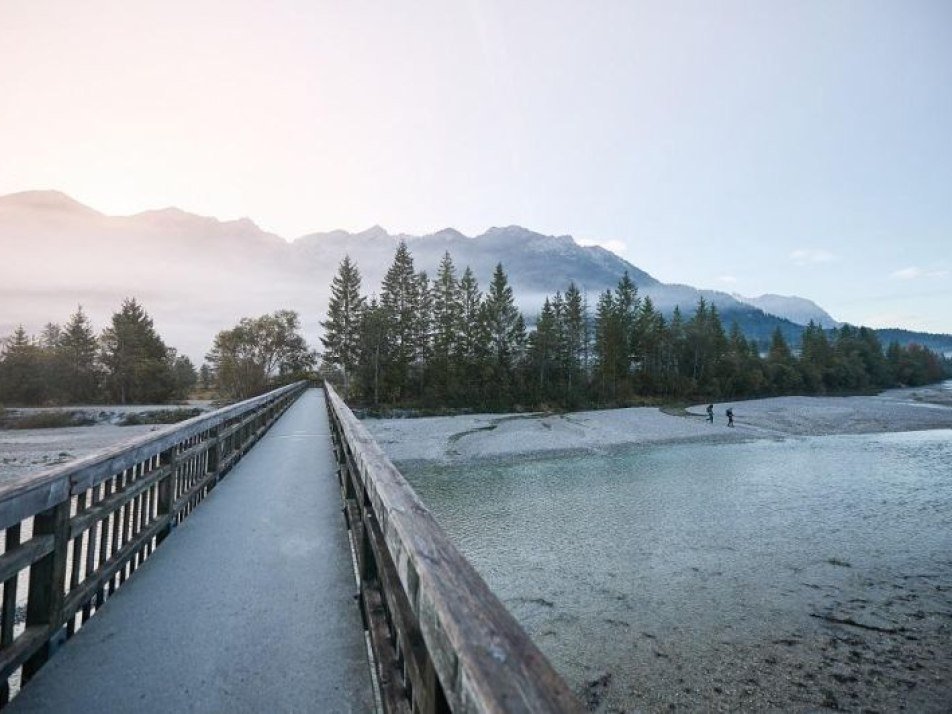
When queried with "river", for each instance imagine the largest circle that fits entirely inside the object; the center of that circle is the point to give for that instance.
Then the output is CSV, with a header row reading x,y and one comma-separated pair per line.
x,y
793,573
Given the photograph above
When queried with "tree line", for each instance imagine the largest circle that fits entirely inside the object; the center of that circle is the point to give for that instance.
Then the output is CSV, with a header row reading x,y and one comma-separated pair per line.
x,y
445,343
129,363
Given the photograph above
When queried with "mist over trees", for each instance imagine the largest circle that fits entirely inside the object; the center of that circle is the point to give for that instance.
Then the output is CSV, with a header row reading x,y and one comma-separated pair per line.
x,y
446,343
127,364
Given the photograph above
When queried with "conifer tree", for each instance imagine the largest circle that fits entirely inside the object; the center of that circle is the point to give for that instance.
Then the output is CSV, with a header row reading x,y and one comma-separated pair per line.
x,y
136,358
543,352
399,298
422,309
576,340
373,348
473,350
781,370
342,325
22,370
672,350
816,358
502,319
447,300
474,335
609,343
507,335
77,356
649,326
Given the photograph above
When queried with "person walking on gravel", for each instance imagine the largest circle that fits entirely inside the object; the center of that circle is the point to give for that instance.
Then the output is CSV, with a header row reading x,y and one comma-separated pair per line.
x,y
730,417
710,413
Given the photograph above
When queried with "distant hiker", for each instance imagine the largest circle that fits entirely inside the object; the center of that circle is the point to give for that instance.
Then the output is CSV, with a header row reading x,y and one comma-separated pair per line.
x,y
710,413
730,416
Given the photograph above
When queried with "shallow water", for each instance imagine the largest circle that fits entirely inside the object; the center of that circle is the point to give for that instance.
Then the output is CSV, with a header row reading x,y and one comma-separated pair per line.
x,y
790,574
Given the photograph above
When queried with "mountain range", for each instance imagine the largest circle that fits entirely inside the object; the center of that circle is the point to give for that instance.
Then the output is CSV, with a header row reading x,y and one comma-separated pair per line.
x,y
197,275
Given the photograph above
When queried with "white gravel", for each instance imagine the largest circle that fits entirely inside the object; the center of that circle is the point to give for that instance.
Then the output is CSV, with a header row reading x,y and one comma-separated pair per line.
x,y
499,436
496,436
26,450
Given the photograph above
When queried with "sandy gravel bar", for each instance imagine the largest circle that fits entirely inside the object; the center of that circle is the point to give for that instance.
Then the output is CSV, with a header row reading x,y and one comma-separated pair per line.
x,y
498,436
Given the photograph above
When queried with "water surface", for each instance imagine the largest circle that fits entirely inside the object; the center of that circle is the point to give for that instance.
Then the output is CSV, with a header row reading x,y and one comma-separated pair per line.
x,y
790,573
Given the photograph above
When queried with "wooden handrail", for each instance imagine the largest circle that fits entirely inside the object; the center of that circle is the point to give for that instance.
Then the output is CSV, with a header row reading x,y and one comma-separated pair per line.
x,y
84,527
442,640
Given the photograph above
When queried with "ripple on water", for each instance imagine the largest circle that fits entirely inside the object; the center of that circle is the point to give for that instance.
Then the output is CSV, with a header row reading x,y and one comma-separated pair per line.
x,y
724,563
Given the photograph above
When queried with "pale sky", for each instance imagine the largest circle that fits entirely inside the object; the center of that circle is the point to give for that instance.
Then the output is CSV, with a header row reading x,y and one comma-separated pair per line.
x,y
789,147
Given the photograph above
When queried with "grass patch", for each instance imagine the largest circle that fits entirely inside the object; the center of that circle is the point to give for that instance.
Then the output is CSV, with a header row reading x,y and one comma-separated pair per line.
x,y
163,416
679,410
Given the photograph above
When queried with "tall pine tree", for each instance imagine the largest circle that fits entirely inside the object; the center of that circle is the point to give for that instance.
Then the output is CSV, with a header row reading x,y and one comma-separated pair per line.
x,y
138,370
341,328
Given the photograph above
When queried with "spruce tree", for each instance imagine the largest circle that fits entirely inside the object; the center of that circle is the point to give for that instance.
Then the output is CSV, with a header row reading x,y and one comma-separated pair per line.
x,y
22,374
135,357
447,300
543,352
422,310
77,355
399,301
502,319
576,340
506,331
473,350
781,367
341,327
474,336
373,348
609,344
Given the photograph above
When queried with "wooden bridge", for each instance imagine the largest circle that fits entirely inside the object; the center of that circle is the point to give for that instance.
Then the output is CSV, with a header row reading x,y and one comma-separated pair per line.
x,y
313,579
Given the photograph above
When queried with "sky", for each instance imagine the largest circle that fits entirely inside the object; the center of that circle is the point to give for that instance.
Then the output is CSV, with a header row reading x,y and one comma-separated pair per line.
x,y
786,147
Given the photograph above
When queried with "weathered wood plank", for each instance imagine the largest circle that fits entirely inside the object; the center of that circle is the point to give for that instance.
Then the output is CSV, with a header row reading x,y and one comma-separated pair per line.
x,y
25,646
93,514
393,693
482,657
89,587
19,556
25,495
44,605
11,572
119,515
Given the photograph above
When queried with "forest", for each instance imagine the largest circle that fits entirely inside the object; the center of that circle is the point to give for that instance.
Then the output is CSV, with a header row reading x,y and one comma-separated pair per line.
x,y
444,343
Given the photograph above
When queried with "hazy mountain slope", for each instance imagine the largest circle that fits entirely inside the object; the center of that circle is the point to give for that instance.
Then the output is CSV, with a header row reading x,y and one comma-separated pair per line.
x,y
796,309
197,275
536,264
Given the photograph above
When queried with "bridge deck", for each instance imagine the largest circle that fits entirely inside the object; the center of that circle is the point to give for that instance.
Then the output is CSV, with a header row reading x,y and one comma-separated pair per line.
x,y
247,607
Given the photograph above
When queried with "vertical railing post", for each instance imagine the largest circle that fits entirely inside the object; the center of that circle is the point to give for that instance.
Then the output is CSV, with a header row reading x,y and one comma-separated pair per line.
x,y
213,462
44,607
166,492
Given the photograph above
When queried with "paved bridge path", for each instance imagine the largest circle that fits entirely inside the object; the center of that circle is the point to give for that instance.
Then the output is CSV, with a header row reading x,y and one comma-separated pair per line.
x,y
247,607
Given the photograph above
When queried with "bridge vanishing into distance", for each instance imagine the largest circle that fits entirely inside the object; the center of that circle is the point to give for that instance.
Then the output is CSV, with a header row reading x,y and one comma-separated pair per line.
x,y
312,579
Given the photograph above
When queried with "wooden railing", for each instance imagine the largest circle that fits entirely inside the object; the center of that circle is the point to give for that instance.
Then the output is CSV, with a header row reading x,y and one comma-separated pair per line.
x,y
75,533
441,640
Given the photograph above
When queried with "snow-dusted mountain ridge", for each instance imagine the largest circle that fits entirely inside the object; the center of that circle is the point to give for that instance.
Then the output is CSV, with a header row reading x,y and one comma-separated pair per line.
x,y
796,309
197,275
